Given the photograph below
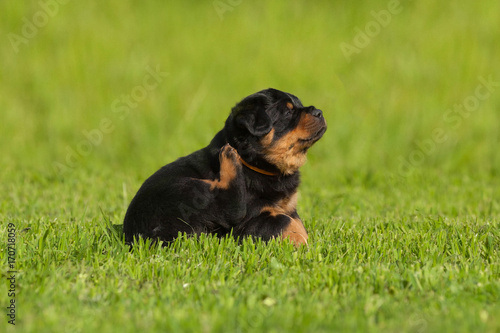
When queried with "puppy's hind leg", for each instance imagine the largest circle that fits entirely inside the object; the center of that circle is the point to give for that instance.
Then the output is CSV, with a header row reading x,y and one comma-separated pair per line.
x,y
230,167
229,189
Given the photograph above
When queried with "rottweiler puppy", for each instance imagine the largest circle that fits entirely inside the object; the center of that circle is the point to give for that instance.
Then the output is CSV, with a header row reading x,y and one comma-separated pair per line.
x,y
243,183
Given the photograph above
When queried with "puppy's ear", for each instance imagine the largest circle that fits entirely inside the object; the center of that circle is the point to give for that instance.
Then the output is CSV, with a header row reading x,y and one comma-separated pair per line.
x,y
257,122
251,114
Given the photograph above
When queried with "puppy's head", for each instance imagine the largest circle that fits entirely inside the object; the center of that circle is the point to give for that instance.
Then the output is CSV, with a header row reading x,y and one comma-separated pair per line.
x,y
272,129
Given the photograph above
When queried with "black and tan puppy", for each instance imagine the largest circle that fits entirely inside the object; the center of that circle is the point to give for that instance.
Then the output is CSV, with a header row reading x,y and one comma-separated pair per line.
x,y
244,182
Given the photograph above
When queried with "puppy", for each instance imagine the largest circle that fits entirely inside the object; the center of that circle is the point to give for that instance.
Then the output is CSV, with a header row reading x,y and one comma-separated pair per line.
x,y
243,183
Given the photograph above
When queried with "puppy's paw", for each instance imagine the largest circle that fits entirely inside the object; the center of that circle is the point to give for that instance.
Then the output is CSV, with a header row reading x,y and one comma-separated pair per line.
x,y
296,233
228,153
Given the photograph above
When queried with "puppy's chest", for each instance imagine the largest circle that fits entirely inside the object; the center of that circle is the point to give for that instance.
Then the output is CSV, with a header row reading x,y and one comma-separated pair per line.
x,y
285,205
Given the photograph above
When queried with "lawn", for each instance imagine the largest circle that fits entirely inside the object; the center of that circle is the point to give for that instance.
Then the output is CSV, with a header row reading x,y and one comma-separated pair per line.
x,y
401,197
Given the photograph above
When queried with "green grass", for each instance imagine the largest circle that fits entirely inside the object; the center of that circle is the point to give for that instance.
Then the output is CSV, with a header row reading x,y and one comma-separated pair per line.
x,y
392,248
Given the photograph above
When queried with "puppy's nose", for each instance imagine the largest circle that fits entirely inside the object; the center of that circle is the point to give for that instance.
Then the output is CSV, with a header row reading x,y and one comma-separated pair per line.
x,y
316,112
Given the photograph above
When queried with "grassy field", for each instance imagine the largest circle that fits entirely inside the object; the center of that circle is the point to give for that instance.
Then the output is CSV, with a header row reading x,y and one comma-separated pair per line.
x,y
401,197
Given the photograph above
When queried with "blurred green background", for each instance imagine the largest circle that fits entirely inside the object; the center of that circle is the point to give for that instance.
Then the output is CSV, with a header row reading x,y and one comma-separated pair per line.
x,y
378,105
71,148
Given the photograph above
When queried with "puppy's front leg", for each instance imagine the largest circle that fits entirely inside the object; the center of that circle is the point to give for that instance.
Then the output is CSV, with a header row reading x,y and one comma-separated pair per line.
x,y
295,231
270,225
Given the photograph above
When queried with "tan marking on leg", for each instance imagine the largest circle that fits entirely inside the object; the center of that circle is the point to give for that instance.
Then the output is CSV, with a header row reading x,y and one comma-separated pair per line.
x,y
285,206
289,204
296,232
228,169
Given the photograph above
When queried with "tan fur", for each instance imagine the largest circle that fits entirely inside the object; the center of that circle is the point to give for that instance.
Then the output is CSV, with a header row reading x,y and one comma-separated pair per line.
x,y
295,231
286,153
267,139
285,206
227,172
